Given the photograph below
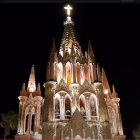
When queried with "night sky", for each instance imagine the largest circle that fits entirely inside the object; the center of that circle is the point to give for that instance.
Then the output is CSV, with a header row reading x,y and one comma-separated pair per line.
x,y
26,33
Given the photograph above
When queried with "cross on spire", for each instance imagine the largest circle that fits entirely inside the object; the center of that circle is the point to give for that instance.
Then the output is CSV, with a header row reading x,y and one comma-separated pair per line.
x,y
68,8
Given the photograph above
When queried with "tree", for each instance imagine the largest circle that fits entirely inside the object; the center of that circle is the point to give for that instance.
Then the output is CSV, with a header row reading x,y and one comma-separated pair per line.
x,y
136,132
9,122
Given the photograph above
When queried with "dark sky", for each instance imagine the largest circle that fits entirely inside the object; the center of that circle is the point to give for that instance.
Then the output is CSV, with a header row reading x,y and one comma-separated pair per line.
x,y
26,33
75,1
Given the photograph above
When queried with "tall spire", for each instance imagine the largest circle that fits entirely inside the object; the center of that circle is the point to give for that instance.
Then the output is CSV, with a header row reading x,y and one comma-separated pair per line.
x,y
53,50
90,50
31,83
69,40
106,86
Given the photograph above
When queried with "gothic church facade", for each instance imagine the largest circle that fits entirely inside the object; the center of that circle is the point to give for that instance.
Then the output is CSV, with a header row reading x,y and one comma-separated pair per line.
x,y
78,102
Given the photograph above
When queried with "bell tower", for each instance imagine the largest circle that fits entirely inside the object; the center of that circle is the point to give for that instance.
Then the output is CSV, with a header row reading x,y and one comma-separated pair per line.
x,y
77,93
30,104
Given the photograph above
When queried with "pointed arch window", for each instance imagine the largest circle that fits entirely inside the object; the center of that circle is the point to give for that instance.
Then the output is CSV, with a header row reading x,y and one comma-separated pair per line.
x,y
29,119
67,107
57,108
91,72
70,44
82,106
78,73
68,73
59,72
86,72
93,107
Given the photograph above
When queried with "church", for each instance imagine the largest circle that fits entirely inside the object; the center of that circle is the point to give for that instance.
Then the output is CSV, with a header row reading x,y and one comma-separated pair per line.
x,y
78,102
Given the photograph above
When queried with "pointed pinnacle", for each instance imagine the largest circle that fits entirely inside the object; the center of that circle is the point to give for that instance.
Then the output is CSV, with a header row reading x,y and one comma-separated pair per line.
x,y
113,89
90,50
31,82
38,87
53,50
86,54
38,90
98,73
23,87
105,81
23,90
114,93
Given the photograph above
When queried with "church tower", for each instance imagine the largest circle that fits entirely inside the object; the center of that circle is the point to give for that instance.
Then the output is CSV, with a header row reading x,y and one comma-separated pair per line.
x,y
30,104
78,102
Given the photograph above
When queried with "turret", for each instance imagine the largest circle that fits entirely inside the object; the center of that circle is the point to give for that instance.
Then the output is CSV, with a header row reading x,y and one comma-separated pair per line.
x,y
106,87
99,85
103,112
52,63
50,83
53,53
30,103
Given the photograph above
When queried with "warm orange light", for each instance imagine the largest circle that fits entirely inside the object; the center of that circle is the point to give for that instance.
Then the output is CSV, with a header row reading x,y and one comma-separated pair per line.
x,y
68,79
70,43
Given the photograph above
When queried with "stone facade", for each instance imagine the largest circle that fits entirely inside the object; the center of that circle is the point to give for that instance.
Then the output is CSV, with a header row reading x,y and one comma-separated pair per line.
x,y
78,101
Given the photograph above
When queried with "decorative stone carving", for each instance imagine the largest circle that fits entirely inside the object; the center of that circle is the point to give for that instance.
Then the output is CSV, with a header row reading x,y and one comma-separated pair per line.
x,y
77,123
62,86
86,87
